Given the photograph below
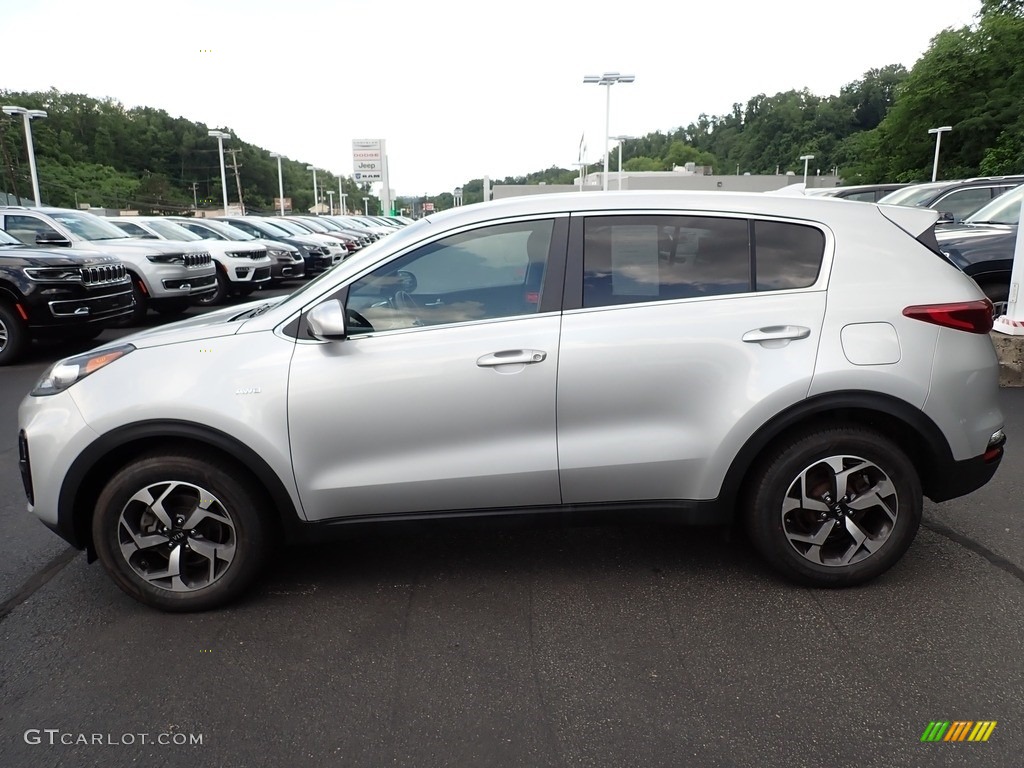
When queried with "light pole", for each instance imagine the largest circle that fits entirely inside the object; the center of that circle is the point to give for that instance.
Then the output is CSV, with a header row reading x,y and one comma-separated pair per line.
x,y
316,200
220,136
366,206
330,195
581,166
280,181
608,79
938,140
341,197
806,159
620,139
27,115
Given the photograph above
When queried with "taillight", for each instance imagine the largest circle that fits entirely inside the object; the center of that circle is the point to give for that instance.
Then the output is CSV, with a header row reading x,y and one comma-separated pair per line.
x,y
970,316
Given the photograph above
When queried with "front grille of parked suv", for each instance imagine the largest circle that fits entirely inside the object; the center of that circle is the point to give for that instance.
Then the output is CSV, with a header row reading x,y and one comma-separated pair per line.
x,y
254,255
108,273
201,259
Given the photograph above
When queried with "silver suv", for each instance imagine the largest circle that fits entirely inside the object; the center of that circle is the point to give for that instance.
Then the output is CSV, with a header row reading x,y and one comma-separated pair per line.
x,y
807,369
165,277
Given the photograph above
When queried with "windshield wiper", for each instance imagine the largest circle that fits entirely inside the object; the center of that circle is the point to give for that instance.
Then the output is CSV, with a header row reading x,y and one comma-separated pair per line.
x,y
254,312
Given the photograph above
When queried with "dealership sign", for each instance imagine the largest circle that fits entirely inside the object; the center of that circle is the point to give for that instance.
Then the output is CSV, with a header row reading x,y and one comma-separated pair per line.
x,y
368,159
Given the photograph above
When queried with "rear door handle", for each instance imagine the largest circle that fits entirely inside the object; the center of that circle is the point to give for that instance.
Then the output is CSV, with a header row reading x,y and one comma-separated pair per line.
x,y
512,357
777,333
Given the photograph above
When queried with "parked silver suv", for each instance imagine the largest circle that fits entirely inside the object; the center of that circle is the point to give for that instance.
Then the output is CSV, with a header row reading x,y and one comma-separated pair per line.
x,y
165,277
807,369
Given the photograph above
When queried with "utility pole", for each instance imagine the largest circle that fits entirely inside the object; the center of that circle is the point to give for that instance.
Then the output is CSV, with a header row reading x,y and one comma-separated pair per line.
x,y
238,181
195,196
8,164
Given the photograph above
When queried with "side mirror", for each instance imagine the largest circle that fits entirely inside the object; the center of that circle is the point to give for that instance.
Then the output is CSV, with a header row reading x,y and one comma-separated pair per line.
x,y
52,238
326,322
945,217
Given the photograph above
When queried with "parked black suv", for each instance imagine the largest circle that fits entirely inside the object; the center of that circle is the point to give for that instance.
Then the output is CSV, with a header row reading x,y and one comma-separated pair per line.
x,y
54,295
983,245
954,200
863,193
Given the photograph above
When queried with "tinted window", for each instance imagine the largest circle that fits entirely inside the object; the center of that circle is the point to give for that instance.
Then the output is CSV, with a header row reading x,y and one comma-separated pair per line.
x,y
963,202
483,274
132,229
25,228
787,255
629,259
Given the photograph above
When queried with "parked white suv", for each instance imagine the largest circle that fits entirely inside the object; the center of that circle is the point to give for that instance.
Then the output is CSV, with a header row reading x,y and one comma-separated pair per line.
x,y
165,277
242,265
240,270
806,369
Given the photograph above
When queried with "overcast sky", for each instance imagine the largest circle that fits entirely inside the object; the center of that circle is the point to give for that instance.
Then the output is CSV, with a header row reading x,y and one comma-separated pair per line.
x,y
459,89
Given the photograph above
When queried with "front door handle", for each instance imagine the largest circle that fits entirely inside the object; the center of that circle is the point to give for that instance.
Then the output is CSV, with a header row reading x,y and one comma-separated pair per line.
x,y
777,333
511,357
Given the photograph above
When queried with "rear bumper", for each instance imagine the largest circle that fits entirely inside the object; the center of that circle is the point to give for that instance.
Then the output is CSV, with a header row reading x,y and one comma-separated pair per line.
x,y
959,478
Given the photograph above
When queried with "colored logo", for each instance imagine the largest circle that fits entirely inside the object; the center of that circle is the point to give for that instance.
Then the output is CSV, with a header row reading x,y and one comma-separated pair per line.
x,y
958,730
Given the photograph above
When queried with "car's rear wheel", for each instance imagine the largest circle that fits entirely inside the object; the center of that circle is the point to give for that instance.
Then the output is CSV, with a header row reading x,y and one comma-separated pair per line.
x,y
180,532
834,507
14,336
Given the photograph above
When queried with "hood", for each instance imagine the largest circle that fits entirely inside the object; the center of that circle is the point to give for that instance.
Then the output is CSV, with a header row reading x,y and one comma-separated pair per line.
x,y
220,322
55,257
975,233
140,247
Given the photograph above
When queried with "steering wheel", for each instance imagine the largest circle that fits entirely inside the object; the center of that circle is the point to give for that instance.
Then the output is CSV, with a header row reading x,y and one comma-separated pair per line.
x,y
403,301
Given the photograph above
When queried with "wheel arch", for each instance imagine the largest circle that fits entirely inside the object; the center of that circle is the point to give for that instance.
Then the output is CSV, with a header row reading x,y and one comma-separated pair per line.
x,y
95,465
913,431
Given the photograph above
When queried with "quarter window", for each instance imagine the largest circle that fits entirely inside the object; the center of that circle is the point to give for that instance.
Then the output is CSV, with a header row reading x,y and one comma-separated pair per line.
x,y
788,255
487,273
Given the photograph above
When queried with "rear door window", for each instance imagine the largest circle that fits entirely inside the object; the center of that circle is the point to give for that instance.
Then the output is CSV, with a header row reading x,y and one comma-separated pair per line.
x,y
630,259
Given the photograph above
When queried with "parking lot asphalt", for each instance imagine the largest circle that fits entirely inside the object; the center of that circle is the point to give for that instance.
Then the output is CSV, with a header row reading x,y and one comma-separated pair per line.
x,y
551,645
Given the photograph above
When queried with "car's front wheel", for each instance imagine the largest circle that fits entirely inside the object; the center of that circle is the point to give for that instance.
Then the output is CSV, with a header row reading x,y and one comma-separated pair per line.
x,y
14,336
834,507
180,532
218,294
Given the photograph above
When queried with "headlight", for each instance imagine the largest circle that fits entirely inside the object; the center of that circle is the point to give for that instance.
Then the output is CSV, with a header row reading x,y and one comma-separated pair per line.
x,y
166,258
54,274
64,373
276,253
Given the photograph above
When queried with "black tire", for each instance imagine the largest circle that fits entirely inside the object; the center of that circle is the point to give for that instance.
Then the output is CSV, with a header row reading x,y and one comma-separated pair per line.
x,y
138,314
217,550
14,336
999,295
217,295
814,540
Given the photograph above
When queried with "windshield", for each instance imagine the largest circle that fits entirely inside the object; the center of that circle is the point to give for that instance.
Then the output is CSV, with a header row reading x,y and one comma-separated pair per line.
x,y
223,231
367,255
171,231
292,227
1005,209
88,227
313,226
918,194
271,230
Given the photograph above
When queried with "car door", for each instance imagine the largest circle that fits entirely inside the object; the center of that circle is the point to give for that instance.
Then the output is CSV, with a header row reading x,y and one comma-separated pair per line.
x,y
442,397
676,345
